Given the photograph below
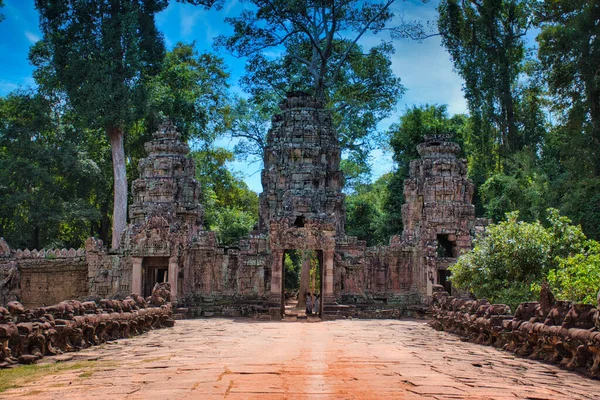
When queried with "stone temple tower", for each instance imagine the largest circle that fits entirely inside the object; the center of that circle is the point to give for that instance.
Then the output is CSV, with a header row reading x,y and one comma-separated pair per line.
x,y
301,180
437,214
302,205
166,186
165,215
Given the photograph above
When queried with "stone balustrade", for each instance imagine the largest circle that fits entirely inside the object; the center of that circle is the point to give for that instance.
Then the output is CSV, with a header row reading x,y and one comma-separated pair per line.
x,y
50,253
559,332
26,335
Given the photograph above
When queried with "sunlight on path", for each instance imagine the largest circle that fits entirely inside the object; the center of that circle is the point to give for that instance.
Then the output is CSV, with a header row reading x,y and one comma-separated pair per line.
x,y
359,359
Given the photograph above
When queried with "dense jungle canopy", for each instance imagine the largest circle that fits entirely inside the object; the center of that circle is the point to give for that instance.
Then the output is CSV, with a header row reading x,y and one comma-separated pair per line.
x,y
104,78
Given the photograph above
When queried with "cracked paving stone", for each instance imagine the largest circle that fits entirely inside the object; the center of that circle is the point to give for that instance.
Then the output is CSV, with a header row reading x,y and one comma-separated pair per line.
x,y
358,359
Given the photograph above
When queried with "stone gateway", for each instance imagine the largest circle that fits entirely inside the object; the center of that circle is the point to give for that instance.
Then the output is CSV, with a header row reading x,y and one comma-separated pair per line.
x,y
301,208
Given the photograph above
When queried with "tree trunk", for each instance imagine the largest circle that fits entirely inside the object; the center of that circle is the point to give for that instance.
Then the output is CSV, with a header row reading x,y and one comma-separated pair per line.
x,y
304,279
115,135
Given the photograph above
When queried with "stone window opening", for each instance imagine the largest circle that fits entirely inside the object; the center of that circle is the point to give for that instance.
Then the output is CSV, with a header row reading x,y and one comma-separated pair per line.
x,y
299,222
446,248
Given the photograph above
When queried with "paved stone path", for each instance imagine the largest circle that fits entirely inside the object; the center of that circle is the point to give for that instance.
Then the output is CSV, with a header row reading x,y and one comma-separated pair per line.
x,y
360,359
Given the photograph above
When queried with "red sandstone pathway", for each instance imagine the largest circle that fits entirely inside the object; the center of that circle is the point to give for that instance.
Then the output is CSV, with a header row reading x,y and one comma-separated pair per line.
x,y
360,359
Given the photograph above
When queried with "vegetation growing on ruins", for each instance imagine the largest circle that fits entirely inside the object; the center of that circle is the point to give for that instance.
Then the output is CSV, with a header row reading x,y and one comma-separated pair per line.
x,y
322,56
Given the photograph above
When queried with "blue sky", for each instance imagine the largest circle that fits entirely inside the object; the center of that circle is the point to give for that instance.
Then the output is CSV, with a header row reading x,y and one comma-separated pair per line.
x,y
425,68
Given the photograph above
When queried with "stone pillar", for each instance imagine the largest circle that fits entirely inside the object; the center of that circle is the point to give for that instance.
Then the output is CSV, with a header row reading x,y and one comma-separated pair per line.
x,y
328,294
276,278
136,275
304,278
173,276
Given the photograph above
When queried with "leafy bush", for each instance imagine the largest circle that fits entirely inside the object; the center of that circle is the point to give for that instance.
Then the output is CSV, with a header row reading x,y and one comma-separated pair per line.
x,y
513,257
577,278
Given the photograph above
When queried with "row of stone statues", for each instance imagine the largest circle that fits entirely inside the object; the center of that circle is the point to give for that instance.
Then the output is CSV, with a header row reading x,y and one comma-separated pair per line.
x,y
28,335
555,331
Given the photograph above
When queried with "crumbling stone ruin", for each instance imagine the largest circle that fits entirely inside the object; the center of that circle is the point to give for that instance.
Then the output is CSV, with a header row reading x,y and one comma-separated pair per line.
x,y
301,208
26,335
560,332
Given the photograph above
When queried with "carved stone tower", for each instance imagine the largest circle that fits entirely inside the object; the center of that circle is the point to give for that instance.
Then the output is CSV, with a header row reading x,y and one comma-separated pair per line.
x,y
301,180
302,205
165,214
166,186
437,214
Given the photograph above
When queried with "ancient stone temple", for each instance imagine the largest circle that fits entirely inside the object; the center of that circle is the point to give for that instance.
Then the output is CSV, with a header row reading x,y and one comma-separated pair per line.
x,y
165,241
302,205
301,208
437,214
302,181
165,217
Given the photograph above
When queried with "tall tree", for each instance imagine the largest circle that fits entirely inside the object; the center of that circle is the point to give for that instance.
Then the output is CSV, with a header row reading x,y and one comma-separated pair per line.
x,y
319,52
315,23
485,39
51,178
101,53
569,52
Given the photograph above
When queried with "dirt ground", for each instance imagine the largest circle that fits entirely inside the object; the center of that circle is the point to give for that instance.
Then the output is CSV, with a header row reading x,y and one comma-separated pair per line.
x,y
246,359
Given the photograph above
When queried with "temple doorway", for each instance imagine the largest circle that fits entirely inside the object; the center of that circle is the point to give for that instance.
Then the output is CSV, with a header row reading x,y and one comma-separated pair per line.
x,y
302,277
443,279
154,270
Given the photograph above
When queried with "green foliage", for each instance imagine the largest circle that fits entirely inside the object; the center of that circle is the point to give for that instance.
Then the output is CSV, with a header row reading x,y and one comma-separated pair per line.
x,y
51,180
230,208
569,54
310,31
512,255
231,223
190,89
486,42
292,264
2,17
365,212
101,54
577,278
523,190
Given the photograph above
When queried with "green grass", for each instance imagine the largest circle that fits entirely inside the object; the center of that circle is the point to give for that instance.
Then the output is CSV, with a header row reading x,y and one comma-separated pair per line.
x,y
24,374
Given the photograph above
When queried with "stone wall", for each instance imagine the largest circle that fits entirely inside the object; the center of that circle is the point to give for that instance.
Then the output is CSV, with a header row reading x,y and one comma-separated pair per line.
x,y
44,277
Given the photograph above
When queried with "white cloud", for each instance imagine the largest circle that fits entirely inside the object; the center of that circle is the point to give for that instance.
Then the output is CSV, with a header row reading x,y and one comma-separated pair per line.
x,y
229,6
32,37
7,87
188,19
